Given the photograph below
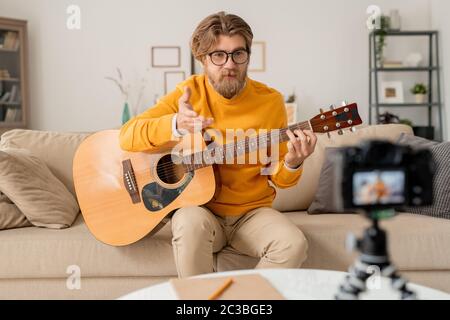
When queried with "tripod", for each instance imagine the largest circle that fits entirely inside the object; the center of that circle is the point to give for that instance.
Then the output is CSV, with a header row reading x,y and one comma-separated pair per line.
x,y
373,248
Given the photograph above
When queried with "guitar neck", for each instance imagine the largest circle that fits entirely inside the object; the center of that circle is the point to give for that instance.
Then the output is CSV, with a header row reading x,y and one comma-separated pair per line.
x,y
232,150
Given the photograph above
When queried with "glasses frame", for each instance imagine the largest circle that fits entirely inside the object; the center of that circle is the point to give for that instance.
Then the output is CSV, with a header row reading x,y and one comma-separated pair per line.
x,y
228,54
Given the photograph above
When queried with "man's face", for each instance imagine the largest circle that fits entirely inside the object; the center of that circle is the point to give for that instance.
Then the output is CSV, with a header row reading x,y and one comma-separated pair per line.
x,y
228,79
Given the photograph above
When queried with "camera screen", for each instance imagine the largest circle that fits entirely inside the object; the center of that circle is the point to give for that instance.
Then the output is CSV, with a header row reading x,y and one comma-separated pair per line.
x,y
378,187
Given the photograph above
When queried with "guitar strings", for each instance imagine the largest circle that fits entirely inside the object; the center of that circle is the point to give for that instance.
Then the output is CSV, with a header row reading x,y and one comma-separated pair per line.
x,y
227,147
168,169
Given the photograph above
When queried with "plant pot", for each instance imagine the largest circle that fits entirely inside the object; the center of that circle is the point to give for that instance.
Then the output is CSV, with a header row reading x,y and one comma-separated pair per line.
x,y
424,132
420,98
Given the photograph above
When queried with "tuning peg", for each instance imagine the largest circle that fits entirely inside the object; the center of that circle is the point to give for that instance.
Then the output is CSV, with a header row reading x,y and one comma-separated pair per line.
x,y
332,107
353,129
344,103
329,135
321,110
340,132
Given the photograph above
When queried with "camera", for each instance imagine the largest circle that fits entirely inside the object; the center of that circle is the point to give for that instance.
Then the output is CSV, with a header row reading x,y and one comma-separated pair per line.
x,y
378,174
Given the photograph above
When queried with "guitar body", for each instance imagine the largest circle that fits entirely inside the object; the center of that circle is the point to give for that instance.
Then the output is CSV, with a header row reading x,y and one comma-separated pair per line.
x,y
104,174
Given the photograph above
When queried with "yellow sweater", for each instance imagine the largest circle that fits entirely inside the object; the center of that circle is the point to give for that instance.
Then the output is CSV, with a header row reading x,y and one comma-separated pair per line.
x,y
257,106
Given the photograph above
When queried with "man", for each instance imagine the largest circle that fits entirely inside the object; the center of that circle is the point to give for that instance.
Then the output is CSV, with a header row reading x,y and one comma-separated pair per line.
x,y
225,98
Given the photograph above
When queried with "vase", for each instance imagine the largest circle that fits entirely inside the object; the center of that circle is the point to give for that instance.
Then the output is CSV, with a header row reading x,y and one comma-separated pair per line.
x,y
420,98
125,113
395,20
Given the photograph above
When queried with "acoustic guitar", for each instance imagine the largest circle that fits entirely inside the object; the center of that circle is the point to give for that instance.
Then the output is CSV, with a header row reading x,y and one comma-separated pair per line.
x,y
124,196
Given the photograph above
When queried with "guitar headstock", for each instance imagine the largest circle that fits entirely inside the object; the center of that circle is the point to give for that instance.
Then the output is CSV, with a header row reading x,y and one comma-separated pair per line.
x,y
336,119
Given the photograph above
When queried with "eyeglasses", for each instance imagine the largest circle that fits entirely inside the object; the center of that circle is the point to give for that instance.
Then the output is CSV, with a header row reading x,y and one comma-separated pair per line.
x,y
220,58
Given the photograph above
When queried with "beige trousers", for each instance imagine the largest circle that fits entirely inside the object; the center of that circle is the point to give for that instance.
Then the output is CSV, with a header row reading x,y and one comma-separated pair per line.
x,y
264,233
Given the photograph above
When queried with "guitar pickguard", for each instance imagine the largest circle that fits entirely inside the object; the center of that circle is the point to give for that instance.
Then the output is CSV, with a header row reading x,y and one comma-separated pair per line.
x,y
156,197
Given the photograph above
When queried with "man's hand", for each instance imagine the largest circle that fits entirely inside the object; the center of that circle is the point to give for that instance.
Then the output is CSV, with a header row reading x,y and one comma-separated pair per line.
x,y
300,146
187,119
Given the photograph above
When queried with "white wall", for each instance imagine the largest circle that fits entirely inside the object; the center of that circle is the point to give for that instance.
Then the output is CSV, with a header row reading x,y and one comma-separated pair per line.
x,y
320,48
440,11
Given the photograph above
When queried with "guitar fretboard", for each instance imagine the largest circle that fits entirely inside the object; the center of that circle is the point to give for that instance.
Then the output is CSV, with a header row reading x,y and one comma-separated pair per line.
x,y
224,153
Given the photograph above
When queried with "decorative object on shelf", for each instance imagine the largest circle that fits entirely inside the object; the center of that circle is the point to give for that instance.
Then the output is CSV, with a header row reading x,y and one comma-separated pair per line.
x,y
387,117
392,64
166,57
426,132
130,109
291,108
171,79
381,39
413,60
257,57
420,92
391,92
395,20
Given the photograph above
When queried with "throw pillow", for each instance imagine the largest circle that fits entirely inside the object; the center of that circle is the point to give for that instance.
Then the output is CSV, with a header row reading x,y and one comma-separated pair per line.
x,y
328,198
38,194
10,215
415,142
441,187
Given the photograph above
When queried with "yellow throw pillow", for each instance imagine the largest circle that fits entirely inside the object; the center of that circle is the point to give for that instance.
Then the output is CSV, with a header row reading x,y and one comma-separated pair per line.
x,y
10,215
39,195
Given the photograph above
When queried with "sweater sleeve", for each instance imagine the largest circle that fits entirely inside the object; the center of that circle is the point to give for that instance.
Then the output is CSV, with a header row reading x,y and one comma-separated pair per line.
x,y
283,177
152,128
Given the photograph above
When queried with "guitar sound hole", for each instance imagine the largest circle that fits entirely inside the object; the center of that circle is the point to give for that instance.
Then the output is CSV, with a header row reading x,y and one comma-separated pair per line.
x,y
169,172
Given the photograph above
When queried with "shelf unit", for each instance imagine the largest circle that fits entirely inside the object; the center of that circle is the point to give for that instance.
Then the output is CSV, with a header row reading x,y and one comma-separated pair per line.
x,y
432,69
13,62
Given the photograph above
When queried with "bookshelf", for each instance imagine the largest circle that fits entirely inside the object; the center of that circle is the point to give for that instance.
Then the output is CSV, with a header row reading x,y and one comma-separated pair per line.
x,y
433,104
13,74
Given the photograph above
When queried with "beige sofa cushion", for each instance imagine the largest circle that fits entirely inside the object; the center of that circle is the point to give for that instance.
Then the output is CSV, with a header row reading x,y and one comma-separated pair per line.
x,y
10,215
30,185
301,195
31,252
56,149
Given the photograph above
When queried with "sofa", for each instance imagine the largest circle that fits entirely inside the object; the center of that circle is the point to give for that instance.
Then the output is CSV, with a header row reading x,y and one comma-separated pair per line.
x,y
41,263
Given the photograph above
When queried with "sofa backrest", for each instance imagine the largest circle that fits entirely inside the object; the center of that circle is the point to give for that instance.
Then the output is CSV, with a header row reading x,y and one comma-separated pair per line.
x,y
301,195
57,150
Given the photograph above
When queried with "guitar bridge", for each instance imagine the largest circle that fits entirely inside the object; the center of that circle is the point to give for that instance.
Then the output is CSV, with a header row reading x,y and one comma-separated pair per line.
x,y
129,180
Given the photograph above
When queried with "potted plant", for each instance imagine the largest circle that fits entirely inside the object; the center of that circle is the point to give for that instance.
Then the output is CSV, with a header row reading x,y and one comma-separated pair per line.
x,y
381,39
419,91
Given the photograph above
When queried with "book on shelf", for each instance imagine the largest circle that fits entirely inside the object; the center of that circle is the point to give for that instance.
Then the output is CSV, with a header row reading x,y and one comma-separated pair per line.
x,y
5,97
10,41
11,114
14,94
392,64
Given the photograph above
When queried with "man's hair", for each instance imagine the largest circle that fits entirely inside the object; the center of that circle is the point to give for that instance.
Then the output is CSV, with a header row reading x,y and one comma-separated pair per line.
x,y
206,34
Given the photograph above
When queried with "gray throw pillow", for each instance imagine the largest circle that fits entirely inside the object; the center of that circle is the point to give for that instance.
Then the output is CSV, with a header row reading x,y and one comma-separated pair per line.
x,y
327,198
441,182
415,142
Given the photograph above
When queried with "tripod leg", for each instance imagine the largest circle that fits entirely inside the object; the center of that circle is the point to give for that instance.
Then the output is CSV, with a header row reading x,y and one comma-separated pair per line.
x,y
354,283
398,283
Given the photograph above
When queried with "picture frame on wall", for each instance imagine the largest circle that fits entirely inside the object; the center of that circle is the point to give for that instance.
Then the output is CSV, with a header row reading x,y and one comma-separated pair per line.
x,y
258,57
196,66
171,79
166,57
391,92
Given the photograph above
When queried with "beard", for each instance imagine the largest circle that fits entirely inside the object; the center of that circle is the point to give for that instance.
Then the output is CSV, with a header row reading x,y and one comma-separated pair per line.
x,y
227,87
